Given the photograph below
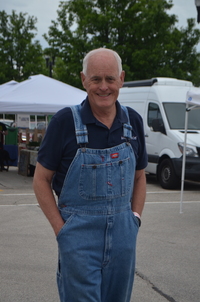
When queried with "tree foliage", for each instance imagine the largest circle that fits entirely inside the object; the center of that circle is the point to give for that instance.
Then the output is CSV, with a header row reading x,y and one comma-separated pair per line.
x,y
19,55
141,31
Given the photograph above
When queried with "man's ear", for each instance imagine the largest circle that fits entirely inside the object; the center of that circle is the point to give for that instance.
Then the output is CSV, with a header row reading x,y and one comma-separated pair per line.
x,y
82,78
122,76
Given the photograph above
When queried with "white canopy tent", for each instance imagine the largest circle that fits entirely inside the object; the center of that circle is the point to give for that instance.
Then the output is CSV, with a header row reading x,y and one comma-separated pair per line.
x,y
192,103
6,87
39,95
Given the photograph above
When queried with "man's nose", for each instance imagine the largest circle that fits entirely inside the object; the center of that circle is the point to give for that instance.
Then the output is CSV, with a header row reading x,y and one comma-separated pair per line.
x,y
103,85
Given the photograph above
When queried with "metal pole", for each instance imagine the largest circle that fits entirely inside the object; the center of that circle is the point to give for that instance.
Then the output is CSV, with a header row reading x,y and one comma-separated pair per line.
x,y
184,159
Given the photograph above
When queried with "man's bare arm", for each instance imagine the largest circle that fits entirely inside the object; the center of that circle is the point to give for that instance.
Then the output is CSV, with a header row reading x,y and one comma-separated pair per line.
x,y
139,192
44,194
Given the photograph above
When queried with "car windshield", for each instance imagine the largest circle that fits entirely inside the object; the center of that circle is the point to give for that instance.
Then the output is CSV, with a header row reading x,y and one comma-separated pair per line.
x,y
175,113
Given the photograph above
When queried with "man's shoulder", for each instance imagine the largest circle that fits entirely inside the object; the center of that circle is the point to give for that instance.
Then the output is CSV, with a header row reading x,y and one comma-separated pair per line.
x,y
62,119
63,112
63,115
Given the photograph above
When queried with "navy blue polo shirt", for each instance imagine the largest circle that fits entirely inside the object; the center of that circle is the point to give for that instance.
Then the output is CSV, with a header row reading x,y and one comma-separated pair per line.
x,y
59,145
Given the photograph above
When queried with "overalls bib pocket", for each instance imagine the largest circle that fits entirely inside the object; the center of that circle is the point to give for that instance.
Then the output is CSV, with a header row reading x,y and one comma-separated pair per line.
x,y
102,181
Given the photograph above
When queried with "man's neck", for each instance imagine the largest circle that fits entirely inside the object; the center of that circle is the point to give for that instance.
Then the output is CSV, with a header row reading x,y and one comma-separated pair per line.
x,y
105,116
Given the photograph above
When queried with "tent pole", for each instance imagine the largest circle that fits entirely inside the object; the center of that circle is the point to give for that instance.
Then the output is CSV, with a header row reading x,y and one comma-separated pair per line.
x,y
184,159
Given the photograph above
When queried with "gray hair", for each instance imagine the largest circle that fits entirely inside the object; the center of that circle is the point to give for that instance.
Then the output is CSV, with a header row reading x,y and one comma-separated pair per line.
x,y
94,51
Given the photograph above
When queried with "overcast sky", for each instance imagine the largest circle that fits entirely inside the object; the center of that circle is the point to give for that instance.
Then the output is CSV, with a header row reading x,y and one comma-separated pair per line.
x,y
45,11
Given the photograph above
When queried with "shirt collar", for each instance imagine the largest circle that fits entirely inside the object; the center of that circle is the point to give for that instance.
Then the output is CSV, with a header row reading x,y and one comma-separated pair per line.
x,y
88,117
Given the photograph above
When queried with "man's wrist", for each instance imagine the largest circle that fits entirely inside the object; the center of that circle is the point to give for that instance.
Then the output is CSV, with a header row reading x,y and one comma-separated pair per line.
x,y
137,215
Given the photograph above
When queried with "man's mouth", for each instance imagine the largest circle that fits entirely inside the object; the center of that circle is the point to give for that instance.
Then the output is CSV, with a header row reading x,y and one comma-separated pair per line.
x,y
103,95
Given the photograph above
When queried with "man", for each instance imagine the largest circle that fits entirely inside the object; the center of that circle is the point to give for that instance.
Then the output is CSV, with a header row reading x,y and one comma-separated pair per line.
x,y
95,154
3,132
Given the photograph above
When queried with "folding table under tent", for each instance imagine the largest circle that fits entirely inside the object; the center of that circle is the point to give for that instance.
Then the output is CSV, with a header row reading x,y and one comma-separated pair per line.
x,y
192,103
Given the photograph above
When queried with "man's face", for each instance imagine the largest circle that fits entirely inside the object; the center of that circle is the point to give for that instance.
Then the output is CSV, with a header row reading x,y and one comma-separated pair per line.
x,y
102,81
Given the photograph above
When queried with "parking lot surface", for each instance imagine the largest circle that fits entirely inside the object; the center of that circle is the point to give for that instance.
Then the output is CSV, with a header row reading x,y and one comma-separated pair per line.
x,y
168,248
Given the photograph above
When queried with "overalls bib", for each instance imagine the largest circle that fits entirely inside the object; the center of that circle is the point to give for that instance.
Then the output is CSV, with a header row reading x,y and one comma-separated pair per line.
x,y
97,243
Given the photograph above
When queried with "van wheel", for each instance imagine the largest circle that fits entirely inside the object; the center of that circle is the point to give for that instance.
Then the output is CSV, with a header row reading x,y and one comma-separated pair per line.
x,y
166,175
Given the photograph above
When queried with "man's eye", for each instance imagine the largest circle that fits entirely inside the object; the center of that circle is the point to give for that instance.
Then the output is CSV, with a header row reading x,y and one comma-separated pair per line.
x,y
111,80
95,80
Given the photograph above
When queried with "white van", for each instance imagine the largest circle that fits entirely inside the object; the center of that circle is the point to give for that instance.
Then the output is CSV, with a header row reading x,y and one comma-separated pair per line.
x,y
161,102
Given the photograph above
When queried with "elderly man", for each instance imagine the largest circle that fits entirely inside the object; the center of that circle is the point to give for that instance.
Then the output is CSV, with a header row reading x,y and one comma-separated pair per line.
x,y
93,156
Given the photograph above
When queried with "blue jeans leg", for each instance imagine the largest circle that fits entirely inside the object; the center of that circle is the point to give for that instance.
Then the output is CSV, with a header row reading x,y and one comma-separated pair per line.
x,y
97,258
118,273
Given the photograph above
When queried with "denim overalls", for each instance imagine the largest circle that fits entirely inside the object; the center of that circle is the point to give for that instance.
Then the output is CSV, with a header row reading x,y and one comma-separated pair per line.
x,y
97,243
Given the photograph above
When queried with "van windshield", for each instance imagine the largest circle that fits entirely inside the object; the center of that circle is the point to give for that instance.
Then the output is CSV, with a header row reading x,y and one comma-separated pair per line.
x,y
175,113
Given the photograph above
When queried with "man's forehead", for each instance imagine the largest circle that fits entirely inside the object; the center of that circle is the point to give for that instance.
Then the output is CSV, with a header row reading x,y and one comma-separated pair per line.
x,y
102,69
106,76
102,64
102,57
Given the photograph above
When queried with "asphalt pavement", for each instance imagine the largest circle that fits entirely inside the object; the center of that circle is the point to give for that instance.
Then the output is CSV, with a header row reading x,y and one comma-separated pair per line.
x,y
168,247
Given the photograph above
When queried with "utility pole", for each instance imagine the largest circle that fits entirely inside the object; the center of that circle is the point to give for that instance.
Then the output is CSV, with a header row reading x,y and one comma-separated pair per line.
x,y
197,3
49,64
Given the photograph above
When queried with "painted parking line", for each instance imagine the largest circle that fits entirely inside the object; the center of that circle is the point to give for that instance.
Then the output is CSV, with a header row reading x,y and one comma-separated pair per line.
x,y
147,202
162,202
32,194
19,205
163,192
19,194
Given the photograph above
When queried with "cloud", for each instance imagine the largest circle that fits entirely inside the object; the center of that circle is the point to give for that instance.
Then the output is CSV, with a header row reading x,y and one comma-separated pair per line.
x,y
44,11
184,9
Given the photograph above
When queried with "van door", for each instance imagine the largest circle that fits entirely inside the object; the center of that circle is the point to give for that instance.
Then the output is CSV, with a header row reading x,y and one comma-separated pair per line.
x,y
154,139
158,145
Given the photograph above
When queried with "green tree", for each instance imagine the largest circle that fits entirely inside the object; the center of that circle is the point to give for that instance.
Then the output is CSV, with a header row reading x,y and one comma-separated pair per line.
x,y
141,31
19,55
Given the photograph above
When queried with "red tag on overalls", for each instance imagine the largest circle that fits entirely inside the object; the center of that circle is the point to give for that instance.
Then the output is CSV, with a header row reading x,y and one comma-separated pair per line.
x,y
114,155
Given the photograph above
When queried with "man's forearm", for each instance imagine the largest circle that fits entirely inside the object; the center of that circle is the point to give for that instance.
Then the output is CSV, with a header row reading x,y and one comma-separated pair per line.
x,y
46,200
139,192
50,209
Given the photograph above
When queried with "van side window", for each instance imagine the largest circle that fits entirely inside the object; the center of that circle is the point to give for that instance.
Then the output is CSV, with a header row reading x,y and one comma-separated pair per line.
x,y
153,113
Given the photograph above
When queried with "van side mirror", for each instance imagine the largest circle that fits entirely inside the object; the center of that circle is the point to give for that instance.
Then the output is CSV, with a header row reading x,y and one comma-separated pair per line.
x,y
158,126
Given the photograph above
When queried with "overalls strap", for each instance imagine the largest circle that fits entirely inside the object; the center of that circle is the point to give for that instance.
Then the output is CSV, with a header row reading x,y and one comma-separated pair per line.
x,y
81,129
127,128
